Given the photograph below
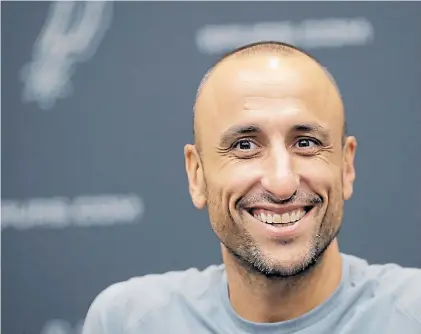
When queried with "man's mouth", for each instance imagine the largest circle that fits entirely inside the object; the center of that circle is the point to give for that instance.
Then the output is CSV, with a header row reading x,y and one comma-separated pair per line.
x,y
279,219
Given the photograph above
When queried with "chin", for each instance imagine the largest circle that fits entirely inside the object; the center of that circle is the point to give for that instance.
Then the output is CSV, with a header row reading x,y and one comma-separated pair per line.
x,y
290,266
296,261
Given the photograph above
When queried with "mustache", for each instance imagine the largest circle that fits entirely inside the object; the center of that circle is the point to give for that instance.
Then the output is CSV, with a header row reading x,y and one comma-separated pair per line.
x,y
301,198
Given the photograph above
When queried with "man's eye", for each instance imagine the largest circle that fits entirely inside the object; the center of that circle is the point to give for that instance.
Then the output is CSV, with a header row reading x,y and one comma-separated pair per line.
x,y
244,145
306,143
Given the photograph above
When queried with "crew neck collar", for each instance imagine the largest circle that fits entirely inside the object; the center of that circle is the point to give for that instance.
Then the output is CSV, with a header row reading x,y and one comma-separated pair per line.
x,y
292,325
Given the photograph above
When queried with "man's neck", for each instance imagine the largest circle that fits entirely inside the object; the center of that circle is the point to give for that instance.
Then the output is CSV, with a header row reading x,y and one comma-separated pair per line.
x,y
259,299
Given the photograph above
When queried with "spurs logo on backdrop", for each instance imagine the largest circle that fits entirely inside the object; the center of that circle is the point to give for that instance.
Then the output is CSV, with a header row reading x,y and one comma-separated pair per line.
x,y
71,34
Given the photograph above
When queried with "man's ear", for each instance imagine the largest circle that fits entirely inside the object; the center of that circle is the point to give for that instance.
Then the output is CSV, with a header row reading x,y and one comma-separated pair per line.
x,y
348,174
195,175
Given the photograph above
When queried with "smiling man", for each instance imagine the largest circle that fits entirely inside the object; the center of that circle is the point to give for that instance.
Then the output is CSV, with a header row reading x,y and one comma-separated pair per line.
x,y
273,165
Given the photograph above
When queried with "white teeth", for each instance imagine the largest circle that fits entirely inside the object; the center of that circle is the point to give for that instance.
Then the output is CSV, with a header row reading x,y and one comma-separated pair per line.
x,y
277,219
293,215
285,218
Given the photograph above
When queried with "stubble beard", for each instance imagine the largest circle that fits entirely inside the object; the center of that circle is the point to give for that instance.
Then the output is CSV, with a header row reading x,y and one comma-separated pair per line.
x,y
248,254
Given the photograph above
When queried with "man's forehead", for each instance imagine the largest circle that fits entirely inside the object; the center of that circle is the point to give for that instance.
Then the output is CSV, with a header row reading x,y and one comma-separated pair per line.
x,y
267,82
267,75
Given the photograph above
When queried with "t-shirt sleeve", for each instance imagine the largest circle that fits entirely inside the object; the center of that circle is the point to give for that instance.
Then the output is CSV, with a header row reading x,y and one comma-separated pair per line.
x,y
404,284
409,295
105,313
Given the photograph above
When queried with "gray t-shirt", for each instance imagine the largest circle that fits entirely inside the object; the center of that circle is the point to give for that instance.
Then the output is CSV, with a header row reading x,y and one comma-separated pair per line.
x,y
378,299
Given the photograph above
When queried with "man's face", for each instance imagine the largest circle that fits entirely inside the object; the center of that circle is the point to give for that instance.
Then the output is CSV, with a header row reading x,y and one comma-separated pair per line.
x,y
273,169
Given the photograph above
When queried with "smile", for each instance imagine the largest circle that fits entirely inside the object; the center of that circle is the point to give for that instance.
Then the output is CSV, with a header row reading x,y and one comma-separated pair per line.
x,y
288,217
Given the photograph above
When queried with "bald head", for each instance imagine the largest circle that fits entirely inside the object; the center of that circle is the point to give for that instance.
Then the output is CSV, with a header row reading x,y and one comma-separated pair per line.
x,y
269,130
267,54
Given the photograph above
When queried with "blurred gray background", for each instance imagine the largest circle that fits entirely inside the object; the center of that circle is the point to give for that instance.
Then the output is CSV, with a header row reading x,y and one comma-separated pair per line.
x,y
97,105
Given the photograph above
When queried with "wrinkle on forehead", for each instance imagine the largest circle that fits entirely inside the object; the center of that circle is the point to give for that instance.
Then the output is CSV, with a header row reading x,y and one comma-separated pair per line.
x,y
258,103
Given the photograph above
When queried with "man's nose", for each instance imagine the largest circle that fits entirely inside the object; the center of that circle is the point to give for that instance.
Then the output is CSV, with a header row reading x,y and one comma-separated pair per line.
x,y
279,176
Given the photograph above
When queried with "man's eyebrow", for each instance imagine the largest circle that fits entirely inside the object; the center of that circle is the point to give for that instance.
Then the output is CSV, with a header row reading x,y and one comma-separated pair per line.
x,y
237,130
312,128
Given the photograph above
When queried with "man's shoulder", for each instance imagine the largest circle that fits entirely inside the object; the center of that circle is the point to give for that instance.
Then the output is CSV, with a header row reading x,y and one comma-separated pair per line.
x,y
158,288
140,295
402,284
